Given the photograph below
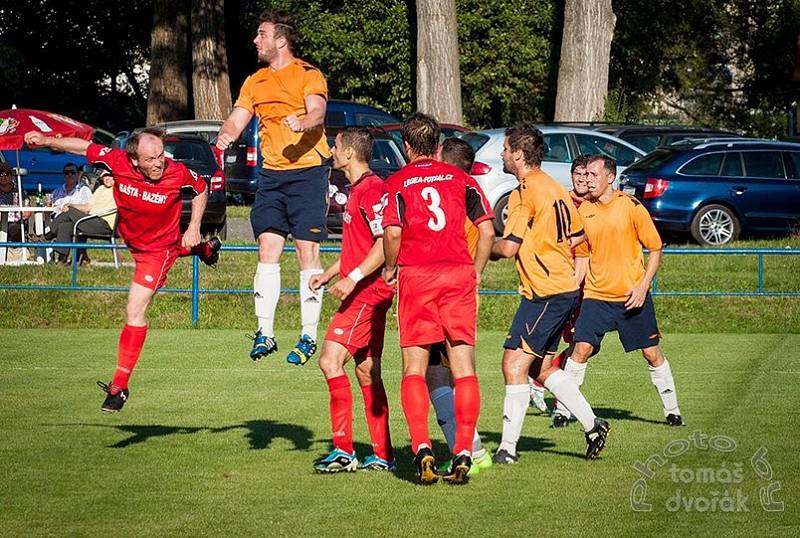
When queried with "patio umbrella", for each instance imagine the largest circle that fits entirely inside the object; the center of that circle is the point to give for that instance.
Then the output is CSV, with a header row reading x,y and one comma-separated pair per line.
x,y
15,122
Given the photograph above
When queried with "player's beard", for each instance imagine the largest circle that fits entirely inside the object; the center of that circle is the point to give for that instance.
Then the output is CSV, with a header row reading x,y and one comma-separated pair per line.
x,y
268,55
508,168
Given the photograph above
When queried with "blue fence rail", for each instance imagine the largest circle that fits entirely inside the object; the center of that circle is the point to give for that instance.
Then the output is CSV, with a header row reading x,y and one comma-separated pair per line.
x,y
196,290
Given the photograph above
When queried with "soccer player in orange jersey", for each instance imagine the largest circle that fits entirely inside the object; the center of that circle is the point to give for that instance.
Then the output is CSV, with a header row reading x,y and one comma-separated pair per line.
x,y
289,98
617,281
356,329
542,227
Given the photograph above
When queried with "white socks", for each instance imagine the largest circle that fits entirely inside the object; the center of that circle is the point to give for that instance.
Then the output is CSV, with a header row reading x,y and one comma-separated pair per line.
x,y
665,385
310,303
444,405
267,291
576,371
515,405
566,390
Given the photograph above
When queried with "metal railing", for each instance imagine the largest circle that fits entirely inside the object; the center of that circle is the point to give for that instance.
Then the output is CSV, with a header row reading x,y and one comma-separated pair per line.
x,y
196,290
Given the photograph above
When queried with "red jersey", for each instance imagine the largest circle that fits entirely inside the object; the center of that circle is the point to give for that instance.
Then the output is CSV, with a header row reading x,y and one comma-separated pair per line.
x,y
429,199
361,225
148,212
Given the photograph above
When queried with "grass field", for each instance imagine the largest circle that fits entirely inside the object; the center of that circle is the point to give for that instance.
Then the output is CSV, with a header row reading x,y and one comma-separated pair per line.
x,y
211,444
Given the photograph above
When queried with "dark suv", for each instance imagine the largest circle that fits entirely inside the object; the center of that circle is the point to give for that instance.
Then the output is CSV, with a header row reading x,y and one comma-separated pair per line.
x,y
649,137
716,190
196,154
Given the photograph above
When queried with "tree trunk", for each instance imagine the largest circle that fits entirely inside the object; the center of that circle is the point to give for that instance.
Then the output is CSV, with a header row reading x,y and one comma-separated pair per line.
x,y
585,55
438,74
168,98
210,83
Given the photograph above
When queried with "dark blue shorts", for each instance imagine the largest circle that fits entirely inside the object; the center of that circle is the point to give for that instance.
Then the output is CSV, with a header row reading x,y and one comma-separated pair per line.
x,y
637,328
292,202
538,323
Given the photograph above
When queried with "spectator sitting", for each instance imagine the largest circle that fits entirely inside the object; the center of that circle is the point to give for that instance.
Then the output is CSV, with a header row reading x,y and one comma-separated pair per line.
x,y
72,192
101,201
8,196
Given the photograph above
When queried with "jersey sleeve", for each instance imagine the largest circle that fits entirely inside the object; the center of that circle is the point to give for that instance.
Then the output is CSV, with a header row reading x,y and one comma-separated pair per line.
x,y
97,153
191,179
478,209
645,229
395,207
373,204
246,99
315,84
519,215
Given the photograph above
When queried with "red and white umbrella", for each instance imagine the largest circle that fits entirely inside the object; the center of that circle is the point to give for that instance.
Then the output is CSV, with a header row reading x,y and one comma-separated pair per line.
x,y
15,122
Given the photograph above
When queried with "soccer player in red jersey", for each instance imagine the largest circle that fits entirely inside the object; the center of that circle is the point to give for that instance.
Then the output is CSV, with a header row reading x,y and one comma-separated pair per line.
x,y
356,329
423,225
147,191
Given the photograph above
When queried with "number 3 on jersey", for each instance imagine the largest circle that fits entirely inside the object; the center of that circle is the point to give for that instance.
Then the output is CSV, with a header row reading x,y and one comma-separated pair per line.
x,y
431,196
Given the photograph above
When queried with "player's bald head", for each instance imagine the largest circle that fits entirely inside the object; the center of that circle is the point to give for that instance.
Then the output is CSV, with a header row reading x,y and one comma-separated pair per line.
x,y
145,149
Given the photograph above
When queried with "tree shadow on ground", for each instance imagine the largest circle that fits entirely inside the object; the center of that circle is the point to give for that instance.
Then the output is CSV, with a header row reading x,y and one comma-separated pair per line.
x,y
259,433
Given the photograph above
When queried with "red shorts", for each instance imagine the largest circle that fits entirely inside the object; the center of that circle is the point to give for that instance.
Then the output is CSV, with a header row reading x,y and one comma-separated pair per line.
x,y
152,267
435,303
359,327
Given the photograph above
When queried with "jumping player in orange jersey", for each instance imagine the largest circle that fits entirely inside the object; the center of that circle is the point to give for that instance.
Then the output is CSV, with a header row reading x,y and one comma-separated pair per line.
x,y
357,328
424,236
289,98
147,190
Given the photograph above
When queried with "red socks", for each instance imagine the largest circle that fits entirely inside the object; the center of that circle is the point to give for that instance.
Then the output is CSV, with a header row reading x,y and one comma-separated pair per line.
x,y
416,403
131,340
376,407
341,406
467,396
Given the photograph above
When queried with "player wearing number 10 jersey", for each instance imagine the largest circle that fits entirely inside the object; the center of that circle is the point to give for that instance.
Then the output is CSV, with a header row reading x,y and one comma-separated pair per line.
x,y
423,222
543,225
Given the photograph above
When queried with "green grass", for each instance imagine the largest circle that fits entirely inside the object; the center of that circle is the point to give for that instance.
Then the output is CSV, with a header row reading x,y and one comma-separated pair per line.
x,y
235,271
212,444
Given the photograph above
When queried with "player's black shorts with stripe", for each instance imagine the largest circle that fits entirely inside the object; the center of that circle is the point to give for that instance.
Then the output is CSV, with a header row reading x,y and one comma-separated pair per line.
x,y
538,323
292,202
637,328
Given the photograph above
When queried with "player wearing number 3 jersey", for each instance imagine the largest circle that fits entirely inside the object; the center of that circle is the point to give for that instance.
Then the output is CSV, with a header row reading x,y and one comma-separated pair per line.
x,y
427,204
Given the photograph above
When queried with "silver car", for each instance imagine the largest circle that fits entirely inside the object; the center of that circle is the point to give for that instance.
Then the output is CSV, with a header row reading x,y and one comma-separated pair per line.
x,y
562,145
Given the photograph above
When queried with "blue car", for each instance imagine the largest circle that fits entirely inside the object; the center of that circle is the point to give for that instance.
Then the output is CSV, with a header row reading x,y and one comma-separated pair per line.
x,y
243,158
44,165
717,190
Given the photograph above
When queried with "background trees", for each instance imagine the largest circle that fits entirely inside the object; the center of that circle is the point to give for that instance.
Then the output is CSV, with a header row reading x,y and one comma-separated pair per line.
x,y
726,63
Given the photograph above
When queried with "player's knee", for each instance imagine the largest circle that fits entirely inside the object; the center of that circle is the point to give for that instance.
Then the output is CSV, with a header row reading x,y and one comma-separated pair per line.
x,y
582,352
653,356
329,365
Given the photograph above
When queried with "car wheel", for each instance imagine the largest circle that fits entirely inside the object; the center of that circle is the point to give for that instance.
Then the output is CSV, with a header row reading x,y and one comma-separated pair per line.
x,y
501,214
715,225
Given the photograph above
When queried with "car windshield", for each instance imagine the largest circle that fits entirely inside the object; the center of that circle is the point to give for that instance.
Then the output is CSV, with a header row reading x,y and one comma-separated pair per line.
x,y
196,155
653,159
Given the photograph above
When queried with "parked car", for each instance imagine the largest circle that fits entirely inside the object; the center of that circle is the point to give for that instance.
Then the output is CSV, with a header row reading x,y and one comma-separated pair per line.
x,y
716,190
448,130
649,137
386,160
562,145
44,166
243,158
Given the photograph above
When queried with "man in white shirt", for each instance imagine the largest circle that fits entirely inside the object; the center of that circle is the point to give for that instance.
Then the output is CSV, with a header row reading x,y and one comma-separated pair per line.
x,y
72,191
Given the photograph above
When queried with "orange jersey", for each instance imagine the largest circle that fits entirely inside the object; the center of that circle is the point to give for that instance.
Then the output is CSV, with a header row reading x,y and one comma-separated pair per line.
x,y
272,96
542,218
471,231
615,233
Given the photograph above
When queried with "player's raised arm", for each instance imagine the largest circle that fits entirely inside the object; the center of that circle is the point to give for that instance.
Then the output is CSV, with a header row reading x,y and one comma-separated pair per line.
x,y
233,127
77,146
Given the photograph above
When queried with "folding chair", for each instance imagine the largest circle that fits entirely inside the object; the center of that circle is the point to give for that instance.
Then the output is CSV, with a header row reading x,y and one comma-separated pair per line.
x,y
111,238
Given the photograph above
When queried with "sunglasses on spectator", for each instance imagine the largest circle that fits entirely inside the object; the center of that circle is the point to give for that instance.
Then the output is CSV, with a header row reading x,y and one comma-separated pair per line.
x,y
70,172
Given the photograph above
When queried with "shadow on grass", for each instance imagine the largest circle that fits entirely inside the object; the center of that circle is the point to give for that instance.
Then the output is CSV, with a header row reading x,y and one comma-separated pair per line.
x,y
259,433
